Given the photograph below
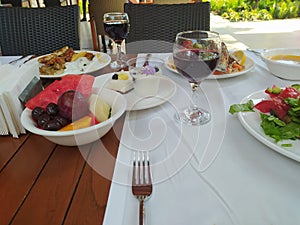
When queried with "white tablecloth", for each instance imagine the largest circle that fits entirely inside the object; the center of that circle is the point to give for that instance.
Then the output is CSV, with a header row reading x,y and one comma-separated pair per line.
x,y
213,174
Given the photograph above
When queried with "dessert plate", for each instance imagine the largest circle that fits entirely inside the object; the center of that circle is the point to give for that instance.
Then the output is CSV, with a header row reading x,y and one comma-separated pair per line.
x,y
80,66
251,122
249,65
167,89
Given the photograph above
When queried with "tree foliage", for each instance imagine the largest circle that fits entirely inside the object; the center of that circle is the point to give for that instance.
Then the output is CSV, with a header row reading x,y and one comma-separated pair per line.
x,y
251,10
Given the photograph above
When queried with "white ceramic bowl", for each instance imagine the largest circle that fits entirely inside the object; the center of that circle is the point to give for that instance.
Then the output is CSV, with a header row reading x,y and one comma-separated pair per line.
x,y
283,69
84,135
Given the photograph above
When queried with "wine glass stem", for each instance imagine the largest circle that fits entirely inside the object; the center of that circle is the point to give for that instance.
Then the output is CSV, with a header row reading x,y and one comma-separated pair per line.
x,y
194,87
119,53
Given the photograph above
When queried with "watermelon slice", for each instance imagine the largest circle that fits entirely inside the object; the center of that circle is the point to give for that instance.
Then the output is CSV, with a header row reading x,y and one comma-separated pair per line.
x,y
81,83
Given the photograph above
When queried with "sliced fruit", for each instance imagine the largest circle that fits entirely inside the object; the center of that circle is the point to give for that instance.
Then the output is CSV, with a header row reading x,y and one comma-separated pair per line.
x,y
81,83
77,56
78,124
99,108
122,76
98,55
239,56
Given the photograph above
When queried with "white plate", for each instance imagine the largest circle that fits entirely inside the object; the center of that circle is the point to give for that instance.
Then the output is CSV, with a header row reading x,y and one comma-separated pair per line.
x,y
249,65
77,67
167,89
251,122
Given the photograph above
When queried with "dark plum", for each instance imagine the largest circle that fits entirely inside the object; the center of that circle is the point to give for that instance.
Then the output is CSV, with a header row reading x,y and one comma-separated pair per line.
x,y
52,109
52,125
44,118
73,105
37,112
63,121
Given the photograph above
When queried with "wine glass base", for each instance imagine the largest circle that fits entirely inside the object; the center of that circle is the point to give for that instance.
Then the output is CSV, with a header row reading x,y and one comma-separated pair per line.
x,y
193,116
118,65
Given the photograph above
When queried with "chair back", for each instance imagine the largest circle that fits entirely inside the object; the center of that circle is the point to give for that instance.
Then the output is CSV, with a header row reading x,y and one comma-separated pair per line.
x,y
38,31
162,22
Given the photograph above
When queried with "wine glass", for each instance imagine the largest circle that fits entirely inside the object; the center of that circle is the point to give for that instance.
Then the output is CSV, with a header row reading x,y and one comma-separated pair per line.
x,y
116,26
196,55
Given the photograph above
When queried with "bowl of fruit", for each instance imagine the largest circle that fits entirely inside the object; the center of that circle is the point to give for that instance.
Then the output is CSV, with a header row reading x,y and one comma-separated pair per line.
x,y
74,115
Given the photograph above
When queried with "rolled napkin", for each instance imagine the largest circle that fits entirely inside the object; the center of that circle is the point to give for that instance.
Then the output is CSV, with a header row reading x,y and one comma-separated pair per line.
x,y
13,81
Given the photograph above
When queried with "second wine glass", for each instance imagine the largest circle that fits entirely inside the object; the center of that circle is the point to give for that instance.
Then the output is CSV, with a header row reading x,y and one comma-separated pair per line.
x,y
196,55
116,26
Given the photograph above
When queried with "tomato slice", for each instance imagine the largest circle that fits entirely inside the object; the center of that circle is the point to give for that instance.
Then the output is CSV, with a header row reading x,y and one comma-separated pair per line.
x,y
275,106
218,72
289,92
265,106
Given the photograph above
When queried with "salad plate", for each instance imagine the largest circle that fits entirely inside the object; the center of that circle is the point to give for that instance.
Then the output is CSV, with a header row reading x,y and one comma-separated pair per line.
x,y
166,90
80,66
251,122
249,65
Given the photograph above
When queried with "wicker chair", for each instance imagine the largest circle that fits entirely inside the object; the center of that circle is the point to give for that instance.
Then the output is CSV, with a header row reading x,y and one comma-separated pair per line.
x,y
153,27
27,31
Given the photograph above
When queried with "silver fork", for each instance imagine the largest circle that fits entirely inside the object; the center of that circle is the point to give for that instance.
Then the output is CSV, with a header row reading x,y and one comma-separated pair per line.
x,y
141,181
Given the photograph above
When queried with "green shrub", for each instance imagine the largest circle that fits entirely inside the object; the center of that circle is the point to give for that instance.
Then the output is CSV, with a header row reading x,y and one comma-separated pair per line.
x,y
240,10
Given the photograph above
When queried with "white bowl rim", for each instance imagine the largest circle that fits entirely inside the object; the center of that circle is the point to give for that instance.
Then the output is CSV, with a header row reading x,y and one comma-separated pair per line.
x,y
273,50
48,133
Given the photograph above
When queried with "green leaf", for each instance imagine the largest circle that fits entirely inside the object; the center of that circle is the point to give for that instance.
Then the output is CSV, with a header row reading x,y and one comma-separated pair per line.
x,y
279,130
286,145
246,107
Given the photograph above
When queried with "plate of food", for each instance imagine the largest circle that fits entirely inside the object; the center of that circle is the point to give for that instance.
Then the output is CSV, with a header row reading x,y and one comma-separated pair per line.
x,y
123,83
272,116
67,61
232,64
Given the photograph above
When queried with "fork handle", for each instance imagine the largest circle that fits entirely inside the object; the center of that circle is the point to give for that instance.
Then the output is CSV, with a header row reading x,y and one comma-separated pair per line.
x,y
142,212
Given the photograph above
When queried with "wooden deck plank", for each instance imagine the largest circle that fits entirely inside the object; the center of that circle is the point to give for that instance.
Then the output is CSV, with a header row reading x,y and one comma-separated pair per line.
x,y
51,195
17,178
90,199
8,147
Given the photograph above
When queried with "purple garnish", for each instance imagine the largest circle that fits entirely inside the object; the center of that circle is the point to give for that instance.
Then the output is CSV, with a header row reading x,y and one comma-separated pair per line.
x,y
148,70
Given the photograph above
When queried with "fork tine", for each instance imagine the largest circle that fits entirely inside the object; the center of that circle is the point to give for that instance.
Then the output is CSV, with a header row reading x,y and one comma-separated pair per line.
x,y
140,170
141,173
143,168
134,170
148,165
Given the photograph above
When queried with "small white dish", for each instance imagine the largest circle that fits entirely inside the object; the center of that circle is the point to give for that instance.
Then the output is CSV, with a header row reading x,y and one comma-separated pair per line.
x,y
80,66
84,135
251,122
166,90
147,86
289,70
249,65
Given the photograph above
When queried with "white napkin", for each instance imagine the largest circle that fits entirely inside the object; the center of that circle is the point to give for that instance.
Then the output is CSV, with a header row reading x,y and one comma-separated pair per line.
x,y
13,80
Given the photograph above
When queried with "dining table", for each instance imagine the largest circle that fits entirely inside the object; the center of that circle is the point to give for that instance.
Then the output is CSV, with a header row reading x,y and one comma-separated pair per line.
x,y
219,173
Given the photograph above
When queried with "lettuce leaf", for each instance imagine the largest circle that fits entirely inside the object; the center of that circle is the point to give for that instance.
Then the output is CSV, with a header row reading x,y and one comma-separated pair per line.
x,y
279,130
246,107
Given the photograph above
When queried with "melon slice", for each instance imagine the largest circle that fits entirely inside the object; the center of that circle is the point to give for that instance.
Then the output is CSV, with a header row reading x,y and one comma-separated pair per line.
x,y
99,108
81,83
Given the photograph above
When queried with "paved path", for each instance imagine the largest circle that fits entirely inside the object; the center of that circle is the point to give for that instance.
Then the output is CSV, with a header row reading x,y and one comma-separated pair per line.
x,y
257,35
260,34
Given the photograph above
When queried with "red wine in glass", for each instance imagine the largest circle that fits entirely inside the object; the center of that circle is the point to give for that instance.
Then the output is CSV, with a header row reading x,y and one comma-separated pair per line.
x,y
117,30
195,64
